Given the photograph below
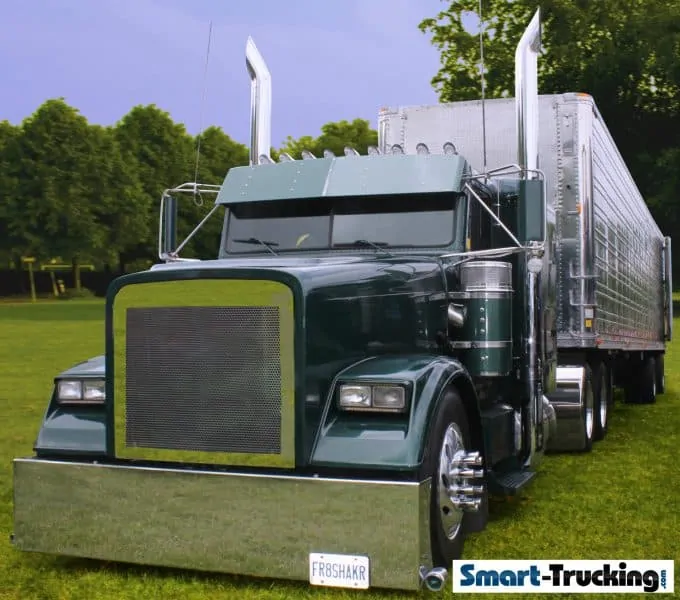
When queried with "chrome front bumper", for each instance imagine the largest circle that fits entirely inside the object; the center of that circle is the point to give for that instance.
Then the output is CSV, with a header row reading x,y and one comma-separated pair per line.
x,y
246,524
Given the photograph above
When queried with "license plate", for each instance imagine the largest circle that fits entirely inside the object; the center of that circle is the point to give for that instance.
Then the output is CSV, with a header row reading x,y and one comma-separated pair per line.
x,y
339,570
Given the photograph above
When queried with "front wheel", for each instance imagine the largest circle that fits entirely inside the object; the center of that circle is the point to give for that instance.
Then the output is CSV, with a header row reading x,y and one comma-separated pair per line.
x,y
457,492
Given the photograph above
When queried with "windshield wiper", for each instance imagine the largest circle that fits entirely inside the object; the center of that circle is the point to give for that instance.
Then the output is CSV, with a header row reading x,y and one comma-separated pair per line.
x,y
377,245
254,240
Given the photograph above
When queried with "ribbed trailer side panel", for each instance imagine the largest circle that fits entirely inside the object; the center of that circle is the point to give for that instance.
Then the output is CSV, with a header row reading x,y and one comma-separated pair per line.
x,y
608,248
628,253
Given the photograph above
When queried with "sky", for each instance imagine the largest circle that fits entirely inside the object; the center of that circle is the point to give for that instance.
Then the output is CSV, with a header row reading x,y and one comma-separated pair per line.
x,y
329,59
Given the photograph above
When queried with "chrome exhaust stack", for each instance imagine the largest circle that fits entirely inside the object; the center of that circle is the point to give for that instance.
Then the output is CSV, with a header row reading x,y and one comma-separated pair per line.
x,y
526,94
260,105
527,115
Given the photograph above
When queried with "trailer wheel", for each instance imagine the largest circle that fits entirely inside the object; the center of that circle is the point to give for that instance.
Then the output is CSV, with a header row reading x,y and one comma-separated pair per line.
x,y
602,392
648,388
449,436
660,374
641,383
588,411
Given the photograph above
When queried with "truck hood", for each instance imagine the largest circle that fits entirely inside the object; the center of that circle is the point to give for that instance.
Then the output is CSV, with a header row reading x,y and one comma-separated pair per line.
x,y
347,309
319,271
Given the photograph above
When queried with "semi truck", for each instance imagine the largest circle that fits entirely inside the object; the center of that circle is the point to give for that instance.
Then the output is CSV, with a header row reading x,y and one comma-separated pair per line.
x,y
383,342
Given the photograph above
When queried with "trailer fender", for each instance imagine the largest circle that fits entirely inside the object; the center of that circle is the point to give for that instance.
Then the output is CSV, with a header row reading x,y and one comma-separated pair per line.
x,y
375,440
73,429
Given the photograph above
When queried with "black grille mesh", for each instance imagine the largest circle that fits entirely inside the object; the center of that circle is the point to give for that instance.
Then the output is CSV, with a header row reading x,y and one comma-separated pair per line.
x,y
203,379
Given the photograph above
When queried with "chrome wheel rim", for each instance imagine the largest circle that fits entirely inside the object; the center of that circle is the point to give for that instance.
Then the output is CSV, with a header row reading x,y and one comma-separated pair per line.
x,y
452,447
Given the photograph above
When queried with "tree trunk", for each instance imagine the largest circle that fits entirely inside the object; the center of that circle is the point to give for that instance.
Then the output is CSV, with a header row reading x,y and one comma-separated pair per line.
x,y
121,263
75,264
19,270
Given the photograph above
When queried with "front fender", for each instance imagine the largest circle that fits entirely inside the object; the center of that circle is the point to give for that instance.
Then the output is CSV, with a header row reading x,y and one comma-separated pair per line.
x,y
93,367
74,429
386,441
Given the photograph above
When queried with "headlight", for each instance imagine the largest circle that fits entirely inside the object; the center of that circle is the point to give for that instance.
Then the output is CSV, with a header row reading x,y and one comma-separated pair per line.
x,y
389,397
355,396
94,390
81,391
70,390
382,398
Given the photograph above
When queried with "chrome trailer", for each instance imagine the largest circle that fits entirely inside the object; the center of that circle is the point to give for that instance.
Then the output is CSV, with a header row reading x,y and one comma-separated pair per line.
x,y
612,261
607,263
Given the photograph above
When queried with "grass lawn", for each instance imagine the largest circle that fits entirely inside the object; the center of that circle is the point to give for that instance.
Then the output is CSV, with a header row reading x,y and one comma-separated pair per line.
x,y
620,502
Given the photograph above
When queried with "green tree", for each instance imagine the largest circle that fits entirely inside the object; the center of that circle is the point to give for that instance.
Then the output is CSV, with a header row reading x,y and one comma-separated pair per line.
x,y
622,52
162,153
53,212
334,136
9,156
624,49
121,206
217,154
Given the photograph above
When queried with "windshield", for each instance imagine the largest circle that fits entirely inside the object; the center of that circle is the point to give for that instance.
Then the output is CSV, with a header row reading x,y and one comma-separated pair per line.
x,y
323,223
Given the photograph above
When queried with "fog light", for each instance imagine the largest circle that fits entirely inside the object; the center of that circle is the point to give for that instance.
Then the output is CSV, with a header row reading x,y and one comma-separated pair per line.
x,y
389,398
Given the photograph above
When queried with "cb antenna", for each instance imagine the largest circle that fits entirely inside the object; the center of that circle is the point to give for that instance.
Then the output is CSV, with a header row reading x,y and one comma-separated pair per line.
x,y
481,71
200,124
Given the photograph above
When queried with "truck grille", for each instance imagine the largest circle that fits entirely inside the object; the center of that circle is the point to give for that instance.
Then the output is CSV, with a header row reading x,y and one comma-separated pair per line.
x,y
204,378
203,372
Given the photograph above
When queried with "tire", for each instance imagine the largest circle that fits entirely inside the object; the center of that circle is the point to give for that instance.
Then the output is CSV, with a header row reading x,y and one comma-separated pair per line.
x,y
448,524
660,374
603,393
588,411
641,384
648,388
632,386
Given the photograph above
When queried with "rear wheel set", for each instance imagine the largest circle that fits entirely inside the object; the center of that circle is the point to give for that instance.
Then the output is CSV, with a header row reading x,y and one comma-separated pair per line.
x,y
643,378
603,399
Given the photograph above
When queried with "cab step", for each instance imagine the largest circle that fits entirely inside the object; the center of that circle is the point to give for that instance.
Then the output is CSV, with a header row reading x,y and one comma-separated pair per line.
x,y
509,483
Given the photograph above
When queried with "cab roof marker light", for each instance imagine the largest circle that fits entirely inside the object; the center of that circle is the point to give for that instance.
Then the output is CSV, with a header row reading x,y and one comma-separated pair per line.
x,y
397,149
265,160
328,154
351,151
307,155
373,150
285,157
422,149
449,148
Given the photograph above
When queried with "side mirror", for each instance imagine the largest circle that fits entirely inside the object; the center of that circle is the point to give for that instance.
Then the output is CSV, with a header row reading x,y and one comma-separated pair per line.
x,y
532,216
167,231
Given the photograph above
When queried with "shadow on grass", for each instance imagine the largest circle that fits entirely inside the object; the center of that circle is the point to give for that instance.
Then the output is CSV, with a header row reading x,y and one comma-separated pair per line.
x,y
506,507
64,310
